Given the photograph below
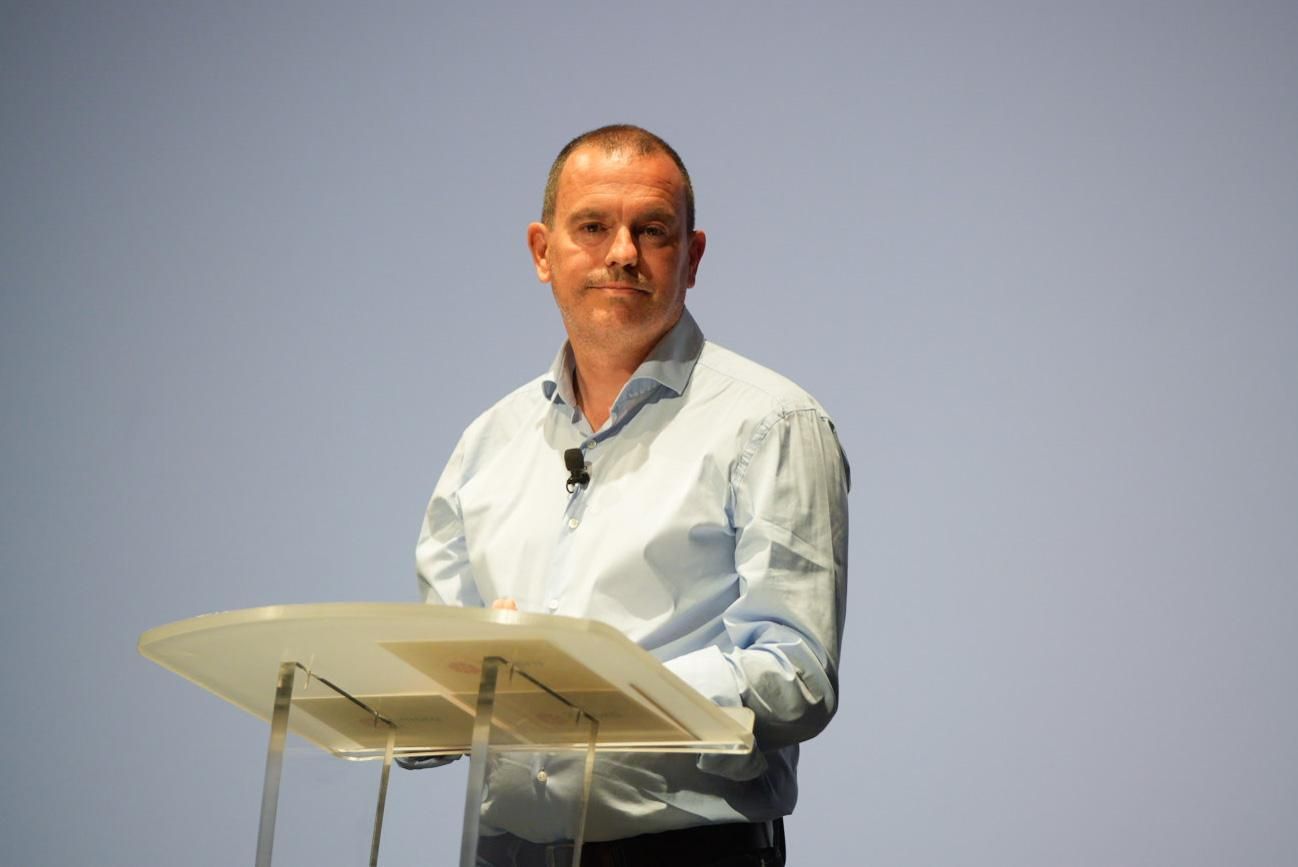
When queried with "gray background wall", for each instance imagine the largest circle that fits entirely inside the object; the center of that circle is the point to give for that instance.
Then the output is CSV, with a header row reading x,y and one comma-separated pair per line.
x,y
262,262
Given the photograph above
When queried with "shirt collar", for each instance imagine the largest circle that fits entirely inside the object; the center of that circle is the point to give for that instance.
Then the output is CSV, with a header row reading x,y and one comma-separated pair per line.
x,y
669,364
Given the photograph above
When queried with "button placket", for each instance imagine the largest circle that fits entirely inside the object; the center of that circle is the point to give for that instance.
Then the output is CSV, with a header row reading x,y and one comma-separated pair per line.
x,y
557,577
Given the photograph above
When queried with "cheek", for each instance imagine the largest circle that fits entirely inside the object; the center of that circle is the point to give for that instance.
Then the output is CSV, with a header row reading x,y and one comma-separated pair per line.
x,y
671,264
567,271
576,264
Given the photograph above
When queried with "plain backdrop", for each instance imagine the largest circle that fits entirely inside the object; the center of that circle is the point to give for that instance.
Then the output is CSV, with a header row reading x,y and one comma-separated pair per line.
x,y
261,262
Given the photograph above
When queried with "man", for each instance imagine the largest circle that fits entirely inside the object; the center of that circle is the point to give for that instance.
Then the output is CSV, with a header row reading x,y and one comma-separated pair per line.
x,y
712,531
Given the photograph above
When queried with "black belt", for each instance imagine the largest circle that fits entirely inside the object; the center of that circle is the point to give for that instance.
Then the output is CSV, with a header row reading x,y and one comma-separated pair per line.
x,y
705,844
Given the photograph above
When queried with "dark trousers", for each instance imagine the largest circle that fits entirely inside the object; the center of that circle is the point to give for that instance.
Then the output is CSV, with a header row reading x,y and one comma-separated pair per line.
x,y
759,844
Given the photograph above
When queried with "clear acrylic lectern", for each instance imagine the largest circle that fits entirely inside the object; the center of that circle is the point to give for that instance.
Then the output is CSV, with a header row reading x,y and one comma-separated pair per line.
x,y
388,680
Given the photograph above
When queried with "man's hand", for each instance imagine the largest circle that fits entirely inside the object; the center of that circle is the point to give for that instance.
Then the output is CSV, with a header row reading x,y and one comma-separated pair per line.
x,y
505,603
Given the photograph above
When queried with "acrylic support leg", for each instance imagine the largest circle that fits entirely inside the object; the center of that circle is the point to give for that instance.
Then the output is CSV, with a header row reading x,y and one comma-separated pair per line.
x,y
383,796
587,776
274,762
473,793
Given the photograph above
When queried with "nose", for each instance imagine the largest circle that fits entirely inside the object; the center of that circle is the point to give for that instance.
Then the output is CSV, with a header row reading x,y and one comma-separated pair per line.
x,y
622,251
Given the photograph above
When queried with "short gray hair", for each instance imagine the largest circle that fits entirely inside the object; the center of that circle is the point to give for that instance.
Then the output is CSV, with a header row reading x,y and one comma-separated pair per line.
x,y
613,138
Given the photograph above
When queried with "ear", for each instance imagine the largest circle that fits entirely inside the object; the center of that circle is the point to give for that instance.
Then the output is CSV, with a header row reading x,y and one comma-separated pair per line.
x,y
538,241
698,243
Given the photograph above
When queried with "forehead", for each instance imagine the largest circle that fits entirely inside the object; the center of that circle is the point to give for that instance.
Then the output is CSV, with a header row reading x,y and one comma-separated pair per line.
x,y
592,175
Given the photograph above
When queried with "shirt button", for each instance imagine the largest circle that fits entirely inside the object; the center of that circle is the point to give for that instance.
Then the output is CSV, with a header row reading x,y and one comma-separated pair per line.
x,y
542,776
591,444
553,604
572,523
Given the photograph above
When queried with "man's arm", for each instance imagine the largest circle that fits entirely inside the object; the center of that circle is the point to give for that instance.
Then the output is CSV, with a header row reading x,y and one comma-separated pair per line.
x,y
442,565
442,555
790,516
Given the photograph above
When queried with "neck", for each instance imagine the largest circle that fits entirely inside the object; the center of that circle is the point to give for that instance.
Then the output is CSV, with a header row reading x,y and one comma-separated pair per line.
x,y
600,378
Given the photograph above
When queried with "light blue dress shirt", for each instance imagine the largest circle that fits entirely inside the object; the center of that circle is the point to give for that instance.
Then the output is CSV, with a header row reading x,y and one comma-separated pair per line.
x,y
713,533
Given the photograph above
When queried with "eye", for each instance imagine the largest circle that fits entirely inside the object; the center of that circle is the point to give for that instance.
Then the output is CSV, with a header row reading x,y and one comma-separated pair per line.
x,y
590,228
654,231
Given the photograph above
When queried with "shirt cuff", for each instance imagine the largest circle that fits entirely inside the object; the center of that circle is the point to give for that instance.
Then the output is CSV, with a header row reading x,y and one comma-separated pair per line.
x,y
709,672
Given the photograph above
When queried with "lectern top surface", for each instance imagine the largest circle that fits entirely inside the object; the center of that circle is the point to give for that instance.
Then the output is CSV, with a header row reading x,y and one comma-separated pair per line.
x,y
417,667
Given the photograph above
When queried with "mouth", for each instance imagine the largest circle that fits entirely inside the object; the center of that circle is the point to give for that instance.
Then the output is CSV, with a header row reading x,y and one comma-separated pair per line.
x,y
620,288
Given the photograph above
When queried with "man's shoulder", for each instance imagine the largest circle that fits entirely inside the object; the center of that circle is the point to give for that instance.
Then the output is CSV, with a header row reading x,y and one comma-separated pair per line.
x,y
763,390
512,410
503,420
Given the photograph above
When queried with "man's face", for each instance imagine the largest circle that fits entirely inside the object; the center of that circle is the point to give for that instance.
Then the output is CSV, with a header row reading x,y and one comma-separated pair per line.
x,y
618,257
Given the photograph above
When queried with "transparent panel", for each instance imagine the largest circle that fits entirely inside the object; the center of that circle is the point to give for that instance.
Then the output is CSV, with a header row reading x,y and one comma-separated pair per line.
x,y
417,666
521,789
317,810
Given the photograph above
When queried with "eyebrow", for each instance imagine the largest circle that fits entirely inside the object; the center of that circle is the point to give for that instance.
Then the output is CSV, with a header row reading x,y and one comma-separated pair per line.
x,y
658,215
586,214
